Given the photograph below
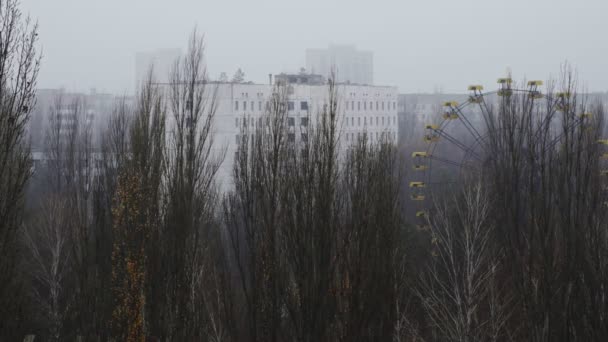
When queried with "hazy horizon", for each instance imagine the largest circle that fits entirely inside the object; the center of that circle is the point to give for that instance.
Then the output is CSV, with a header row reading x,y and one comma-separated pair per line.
x,y
418,46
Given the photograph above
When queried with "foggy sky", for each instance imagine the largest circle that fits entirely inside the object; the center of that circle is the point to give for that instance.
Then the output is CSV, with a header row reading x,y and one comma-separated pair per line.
x,y
419,46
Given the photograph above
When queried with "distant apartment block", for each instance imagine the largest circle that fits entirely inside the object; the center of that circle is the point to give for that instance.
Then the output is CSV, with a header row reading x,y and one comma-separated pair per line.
x,y
352,65
70,108
362,109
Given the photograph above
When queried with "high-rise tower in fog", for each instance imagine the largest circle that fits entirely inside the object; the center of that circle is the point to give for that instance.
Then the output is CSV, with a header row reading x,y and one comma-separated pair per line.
x,y
352,65
161,61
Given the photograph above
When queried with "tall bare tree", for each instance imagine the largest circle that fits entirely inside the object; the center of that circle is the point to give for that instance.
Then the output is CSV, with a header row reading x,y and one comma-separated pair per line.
x,y
546,173
47,241
186,239
370,238
310,223
19,65
136,213
251,217
459,291
65,173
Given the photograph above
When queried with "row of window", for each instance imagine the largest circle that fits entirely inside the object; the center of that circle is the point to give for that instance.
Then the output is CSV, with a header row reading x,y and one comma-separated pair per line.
x,y
291,121
304,105
246,95
252,105
348,136
291,137
378,135
366,94
290,105
379,121
350,105
350,121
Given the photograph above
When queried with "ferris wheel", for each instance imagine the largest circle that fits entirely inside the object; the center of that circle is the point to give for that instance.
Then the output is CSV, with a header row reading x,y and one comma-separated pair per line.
x,y
463,141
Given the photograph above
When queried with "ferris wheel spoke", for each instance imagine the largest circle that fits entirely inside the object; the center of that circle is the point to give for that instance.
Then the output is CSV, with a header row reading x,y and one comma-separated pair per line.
x,y
470,127
485,114
458,143
443,183
450,162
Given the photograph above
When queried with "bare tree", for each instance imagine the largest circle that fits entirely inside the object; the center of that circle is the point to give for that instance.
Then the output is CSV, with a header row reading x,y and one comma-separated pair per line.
x,y
370,240
47,241
136,213
546,173
66,174
190,198
251,218
109,162
459,290
239,76
19,65
310,222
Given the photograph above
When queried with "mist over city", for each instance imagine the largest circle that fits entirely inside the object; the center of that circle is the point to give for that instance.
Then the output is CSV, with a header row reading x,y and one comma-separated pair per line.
x,y
418,46
303,171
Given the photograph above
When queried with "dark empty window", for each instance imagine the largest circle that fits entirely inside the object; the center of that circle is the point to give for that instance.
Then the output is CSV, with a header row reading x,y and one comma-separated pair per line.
x,y
304,137
291,122
244,105
304,121
304,105
290,105
236,105
291,137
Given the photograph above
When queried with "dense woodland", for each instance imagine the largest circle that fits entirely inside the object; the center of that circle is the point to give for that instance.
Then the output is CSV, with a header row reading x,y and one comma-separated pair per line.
x,y
133,241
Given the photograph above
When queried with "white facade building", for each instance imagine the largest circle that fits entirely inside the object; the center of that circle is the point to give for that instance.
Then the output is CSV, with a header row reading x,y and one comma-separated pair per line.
x,y
361,109
351,65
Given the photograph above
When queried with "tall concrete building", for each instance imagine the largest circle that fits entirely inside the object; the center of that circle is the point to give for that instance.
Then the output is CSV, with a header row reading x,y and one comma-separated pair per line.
x,y
160,60
352,65
92,108
362,109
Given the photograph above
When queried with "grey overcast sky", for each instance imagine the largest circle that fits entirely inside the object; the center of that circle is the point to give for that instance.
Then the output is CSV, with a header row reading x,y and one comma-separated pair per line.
x,y
419,46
